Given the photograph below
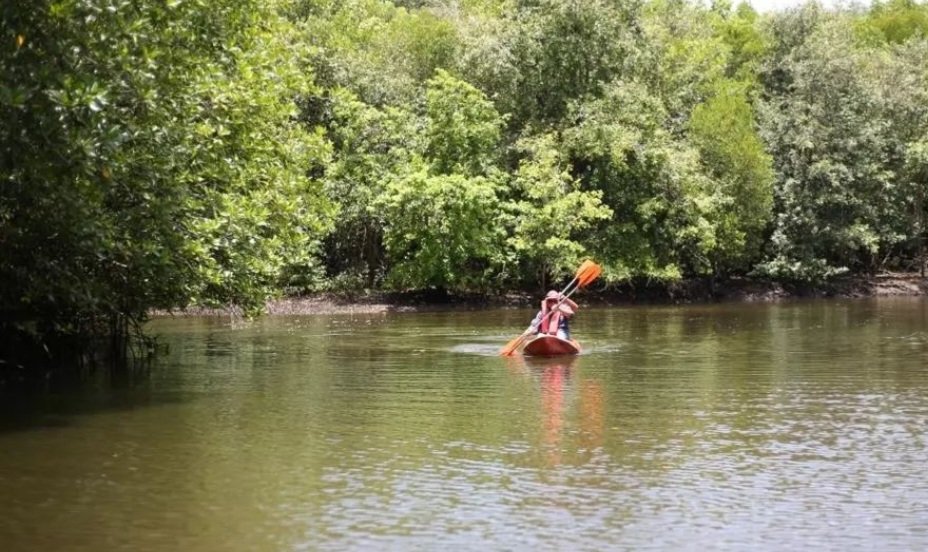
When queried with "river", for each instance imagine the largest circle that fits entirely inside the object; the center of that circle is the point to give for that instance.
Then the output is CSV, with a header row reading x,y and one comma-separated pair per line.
x,y
782,426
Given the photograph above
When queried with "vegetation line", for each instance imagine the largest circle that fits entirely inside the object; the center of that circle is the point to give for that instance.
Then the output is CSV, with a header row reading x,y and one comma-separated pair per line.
x,y
164,154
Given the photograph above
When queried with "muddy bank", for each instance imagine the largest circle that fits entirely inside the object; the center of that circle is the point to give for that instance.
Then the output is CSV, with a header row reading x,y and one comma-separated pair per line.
x,y
687,291
326,303
746,289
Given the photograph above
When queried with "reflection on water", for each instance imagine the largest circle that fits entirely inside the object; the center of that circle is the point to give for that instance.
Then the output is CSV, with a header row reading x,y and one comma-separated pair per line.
x,y
727,426
560,391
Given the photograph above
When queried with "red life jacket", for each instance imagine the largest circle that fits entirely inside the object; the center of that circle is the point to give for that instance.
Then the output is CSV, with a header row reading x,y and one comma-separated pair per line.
x,y
550,322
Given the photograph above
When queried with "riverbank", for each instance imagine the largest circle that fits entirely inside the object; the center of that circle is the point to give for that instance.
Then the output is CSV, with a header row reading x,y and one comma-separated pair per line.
x,y
683,292
890,284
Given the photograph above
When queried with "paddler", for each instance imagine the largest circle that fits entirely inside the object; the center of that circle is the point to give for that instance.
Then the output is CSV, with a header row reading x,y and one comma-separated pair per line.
x,y
553,317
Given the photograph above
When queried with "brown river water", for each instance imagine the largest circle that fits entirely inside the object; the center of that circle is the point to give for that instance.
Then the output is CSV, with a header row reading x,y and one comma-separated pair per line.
x,y
786,426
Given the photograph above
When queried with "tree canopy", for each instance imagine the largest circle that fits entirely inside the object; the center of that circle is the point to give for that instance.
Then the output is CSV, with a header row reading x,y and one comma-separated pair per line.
x,y
159,154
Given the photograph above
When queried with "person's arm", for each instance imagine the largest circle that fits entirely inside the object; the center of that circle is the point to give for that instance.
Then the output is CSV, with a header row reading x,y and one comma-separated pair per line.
x,y
569,302
533,327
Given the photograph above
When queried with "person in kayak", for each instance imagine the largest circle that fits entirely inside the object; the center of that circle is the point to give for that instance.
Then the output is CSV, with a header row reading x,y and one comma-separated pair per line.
x,y
556,322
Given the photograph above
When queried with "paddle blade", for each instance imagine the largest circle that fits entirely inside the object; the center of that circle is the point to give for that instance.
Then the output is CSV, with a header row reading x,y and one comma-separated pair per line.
x,y
588,273
511,347
584,266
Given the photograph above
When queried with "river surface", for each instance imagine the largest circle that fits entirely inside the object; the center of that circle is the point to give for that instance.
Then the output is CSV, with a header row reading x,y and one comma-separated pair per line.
x,y
739,427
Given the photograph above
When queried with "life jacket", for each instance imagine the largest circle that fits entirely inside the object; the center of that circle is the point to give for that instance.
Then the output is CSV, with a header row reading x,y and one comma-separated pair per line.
x,y
550,321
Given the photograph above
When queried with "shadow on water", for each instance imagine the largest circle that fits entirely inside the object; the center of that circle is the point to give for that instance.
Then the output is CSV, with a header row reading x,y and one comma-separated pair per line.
x,y
61,396
58,401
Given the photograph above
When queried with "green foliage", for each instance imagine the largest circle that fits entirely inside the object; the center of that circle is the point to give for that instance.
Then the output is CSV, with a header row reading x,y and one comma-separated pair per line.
x,y
463,128
915,191
836,139
379,50
825,137
916,161
746,39
442,213
662,225
706,63
371,147
156,154
723,130
561,51
689,56
896,21
377,150
421,43
442,230
154,163
267,215
554,216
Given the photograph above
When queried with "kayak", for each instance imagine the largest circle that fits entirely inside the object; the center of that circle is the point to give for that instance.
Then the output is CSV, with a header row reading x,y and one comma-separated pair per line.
x,y
550,345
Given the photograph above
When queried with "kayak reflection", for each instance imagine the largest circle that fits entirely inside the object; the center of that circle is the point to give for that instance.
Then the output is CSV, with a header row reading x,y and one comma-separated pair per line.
x,y
571,408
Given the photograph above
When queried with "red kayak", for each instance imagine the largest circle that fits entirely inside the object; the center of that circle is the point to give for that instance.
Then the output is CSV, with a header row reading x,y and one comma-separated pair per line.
x,y
550,345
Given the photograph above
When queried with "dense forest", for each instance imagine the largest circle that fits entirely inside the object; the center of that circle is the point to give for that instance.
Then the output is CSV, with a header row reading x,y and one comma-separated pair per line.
x,y
166,153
